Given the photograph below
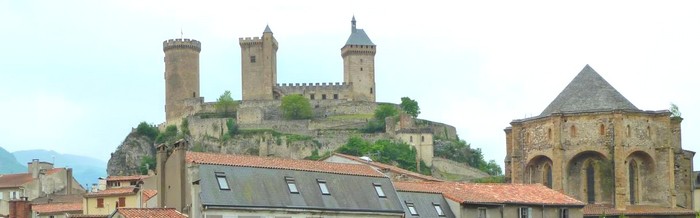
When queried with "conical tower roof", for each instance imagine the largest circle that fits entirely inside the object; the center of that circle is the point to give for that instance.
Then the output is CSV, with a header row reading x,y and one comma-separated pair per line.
x,y
267,29
588,92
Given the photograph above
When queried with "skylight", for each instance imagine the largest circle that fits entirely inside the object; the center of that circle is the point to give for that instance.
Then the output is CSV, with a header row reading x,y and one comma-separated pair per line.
x,y
324,188
379,190
223,183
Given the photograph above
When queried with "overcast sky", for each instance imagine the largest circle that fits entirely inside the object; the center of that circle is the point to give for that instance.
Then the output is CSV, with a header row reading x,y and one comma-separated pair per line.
x,y
76,76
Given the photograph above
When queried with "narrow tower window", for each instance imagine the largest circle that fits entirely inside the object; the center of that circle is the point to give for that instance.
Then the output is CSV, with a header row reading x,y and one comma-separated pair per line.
x,y
633,181
629,131
572,131
370,91
547,172
252,59
601,131
590,182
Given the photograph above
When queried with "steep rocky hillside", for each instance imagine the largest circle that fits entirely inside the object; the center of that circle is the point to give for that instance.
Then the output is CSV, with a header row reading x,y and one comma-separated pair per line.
x,y
127,158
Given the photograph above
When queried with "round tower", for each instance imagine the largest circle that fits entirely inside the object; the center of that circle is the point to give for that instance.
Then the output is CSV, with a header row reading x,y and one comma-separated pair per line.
x,y
358,64
181,75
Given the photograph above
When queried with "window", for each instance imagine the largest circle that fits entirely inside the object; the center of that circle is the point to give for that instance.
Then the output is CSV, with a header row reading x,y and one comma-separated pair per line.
x,y
590,182
122,202
525,212
572,131
100,202
601,131
252,59
312,96
133,183
360,68
379,190
323,96
410,138
422,138
370,90
14,195
564,213
629,131
411,209
482,212
324,188
223,183
335,96
291,185
1,195
438,209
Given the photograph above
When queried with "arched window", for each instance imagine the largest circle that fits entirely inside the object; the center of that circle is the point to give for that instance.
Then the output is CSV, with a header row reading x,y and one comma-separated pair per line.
x,y
601,130
549,134
649,131
547,174
629,131
572,131
590,182
634,181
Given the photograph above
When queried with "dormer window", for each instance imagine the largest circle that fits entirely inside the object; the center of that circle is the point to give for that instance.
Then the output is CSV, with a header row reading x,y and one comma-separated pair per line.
x,y
379,190
411,209
438,209
221,180
324,188
291,184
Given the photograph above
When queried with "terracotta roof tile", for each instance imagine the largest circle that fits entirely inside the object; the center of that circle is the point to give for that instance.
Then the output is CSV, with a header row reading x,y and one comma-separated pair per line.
x,y
148,194
127,178
637,210
150,212
57,207
391,168
281,163
113,192
19,179
492,192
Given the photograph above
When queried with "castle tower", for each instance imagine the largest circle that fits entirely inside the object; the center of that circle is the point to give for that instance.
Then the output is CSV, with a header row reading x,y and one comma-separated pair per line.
x,y
358,64
181,75
258,66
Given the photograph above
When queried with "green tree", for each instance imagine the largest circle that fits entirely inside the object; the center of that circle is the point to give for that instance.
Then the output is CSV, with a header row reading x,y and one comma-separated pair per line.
x,y
169,136
462,152
410,106
378,124
232,127
385,151
296,107
147,163
147,130
225,104
674,111
185,126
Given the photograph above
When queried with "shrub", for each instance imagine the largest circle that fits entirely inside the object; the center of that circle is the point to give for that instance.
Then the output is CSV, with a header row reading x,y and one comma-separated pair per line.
x,y
296,107
147,130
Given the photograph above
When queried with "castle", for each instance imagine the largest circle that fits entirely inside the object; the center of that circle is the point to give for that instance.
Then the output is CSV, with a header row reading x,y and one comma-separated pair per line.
x,y
259,73
593,144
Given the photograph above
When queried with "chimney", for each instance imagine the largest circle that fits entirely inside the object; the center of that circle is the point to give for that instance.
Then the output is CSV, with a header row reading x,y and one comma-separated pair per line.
x,y
69,181
34,168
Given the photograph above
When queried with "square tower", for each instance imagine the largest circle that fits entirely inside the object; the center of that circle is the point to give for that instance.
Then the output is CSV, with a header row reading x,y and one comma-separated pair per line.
x,y
258,66
358,64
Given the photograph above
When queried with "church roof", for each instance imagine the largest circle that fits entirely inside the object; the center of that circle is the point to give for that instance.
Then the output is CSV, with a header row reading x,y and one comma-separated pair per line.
x,y
588,92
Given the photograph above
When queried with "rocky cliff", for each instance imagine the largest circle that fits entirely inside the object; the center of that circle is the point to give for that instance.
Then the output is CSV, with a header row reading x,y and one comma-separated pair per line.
x,y
127,158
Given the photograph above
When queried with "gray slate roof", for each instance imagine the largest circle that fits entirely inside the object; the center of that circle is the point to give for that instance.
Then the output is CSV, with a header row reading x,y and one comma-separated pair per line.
x,y
267,188
588,92
267,29
423,202
359,37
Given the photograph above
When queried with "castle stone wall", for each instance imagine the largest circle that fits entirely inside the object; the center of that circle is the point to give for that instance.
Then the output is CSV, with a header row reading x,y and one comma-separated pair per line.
x,y
317,91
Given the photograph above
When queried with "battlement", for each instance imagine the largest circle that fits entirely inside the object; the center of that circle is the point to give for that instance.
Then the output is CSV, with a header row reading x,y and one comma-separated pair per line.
x,y
250,40
182,43
310,85
358,49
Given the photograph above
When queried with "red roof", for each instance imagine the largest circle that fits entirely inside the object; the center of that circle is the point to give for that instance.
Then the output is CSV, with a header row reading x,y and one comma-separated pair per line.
x,y
492,193
150,212
57,207
19,179
113,192
281,163
394,169
127,178
637,210
148,194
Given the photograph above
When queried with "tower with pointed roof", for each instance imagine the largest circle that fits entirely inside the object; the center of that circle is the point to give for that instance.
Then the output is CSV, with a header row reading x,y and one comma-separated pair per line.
x,y
259,66
358,64
595,145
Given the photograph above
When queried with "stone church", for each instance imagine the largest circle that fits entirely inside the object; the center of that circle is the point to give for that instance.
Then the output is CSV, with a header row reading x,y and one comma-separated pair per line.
x,y
595,145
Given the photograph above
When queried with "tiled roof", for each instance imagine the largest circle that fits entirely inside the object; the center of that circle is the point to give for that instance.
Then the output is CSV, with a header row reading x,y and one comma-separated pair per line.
x,y
150,212
588,91
19,179
281,163
126,178
57,207
492,193
87,216
112,192
148,194
394,169
637,210
59,198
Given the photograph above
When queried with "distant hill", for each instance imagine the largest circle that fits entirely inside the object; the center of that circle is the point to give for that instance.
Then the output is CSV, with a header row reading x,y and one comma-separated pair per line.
x,y
9,164
85,169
